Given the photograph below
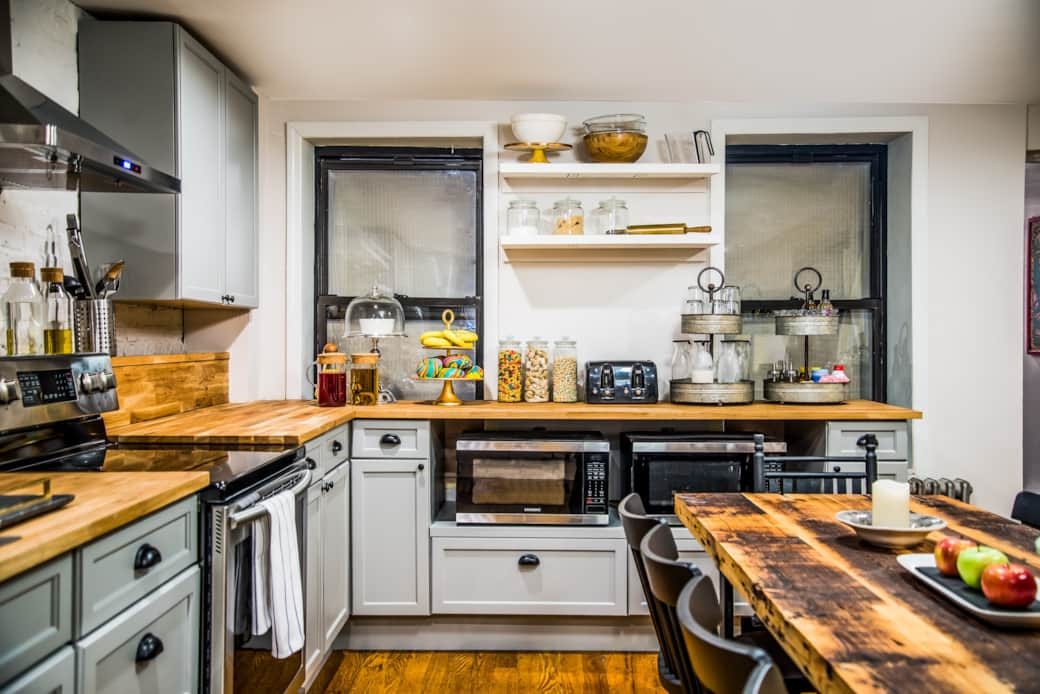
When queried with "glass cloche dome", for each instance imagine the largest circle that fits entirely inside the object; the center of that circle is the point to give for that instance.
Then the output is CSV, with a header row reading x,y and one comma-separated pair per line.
x,y
376,314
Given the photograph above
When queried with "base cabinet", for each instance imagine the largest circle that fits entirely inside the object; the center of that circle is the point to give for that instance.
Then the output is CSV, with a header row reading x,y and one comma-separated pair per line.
x,y
391,529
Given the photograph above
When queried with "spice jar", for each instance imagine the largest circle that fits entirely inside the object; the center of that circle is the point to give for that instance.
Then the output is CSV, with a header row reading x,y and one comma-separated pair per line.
x,y
510,367
568,218
565,370
523,218
536,371
57,321
611,217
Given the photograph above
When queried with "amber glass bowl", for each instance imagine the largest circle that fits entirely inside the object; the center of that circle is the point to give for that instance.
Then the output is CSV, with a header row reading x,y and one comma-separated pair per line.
x,y
618,147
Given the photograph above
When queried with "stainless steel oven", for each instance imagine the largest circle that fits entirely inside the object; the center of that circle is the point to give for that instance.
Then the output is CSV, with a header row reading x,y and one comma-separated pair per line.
x,y
546,478
657,465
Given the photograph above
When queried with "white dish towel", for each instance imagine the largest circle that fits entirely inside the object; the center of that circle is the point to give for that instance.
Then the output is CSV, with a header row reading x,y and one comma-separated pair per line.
x,y
277,587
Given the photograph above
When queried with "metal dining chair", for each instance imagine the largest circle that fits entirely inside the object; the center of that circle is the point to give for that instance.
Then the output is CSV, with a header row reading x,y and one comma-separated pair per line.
x,y
668,576
723,666
637,524
770,473
1027,509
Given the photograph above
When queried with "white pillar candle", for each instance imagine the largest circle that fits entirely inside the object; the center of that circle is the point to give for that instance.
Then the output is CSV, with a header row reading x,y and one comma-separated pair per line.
x,y
891,504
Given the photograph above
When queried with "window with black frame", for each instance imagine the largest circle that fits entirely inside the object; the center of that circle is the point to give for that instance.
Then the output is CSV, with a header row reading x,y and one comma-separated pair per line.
x,y
408,219
792,206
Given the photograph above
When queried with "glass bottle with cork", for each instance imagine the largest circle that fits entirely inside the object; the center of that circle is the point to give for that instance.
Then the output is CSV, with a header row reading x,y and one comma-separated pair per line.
x,y
57,320
23,308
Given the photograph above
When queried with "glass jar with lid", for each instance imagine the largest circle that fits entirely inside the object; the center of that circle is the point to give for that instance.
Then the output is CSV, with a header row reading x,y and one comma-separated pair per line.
x,y
611,217
568,218
523,218
57,319
565,370
23,311
536,371
510,370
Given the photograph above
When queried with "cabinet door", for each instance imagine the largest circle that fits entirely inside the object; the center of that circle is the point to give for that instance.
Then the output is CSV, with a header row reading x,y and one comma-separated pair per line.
x,y
391,537
241,181
200,206
335,552
314,644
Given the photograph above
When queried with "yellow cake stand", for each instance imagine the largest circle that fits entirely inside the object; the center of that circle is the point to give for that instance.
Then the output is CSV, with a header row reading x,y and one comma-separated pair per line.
x,y
537,150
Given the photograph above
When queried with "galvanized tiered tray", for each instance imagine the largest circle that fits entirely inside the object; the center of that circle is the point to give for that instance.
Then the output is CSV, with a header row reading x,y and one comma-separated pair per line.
x,y
806,325
711,324
806,393
686,392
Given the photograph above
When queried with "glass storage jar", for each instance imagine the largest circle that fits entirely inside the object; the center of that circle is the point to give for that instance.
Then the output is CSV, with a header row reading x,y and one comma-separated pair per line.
x,y
536,371
742,348
702,365
523,218
611,217
23,311
727,365
565,370
681,356
568,218
697,302
510,370
57,319
727,300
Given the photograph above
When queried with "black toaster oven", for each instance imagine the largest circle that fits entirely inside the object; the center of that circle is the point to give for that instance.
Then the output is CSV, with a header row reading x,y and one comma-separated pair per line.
x,y
620,382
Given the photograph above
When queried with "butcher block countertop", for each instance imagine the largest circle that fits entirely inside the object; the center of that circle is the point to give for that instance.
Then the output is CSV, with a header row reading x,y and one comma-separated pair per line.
x,y
105,501
292,422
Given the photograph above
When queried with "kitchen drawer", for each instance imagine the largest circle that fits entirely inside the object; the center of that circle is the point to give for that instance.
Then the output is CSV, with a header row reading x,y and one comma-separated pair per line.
x,y
123,567
893,439
315,449
336,447
114,659
565,577
35,615
387,438
55,675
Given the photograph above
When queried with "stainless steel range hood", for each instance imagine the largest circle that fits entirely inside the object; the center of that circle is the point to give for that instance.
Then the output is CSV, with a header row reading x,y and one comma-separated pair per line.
x,y
43,145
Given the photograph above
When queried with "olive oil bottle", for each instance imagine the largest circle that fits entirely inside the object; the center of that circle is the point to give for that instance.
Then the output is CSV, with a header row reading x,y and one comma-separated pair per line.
x,y
57,324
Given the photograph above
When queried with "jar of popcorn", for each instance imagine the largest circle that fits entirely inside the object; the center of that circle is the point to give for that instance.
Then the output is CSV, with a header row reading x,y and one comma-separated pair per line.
x,y
536,371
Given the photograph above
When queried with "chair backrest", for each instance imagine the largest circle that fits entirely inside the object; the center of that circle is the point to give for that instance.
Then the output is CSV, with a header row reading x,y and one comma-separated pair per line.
x,y
722,666
1027,509
771,473
667,576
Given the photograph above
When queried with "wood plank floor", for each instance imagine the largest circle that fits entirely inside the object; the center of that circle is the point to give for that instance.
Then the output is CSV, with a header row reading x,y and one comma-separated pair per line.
x,y
374,672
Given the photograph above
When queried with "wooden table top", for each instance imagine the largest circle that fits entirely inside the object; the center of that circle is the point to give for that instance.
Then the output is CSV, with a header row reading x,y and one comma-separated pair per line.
x,y
104,502
846,612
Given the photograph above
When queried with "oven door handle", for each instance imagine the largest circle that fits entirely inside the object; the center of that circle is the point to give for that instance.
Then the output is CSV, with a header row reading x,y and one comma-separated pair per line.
x,y
254,510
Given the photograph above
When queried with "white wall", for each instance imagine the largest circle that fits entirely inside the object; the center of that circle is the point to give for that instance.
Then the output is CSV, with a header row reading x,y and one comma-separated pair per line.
x,y
974,207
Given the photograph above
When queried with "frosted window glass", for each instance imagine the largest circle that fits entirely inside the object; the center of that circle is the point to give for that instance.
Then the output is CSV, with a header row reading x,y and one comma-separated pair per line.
x,y
781,217
413,231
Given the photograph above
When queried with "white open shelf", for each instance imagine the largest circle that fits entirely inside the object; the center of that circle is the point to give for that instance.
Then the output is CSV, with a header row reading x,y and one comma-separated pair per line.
x,y
606,248
580,170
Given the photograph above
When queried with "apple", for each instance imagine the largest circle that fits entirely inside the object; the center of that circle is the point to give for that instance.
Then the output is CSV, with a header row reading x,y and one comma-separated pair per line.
x,y
972,561
946,552
1008,585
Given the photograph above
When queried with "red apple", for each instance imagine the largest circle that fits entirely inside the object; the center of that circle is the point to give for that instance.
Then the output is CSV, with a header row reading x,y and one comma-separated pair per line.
x,y
1008,585
946,551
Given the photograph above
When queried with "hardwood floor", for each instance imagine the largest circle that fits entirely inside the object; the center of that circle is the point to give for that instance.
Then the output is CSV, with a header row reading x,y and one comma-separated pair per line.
x,y
375,672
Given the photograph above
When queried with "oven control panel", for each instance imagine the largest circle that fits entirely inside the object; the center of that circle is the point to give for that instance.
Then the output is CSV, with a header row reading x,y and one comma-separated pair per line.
x,y
596,487
37,390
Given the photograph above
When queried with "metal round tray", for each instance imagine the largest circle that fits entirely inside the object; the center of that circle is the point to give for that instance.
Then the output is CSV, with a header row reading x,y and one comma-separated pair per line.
x,y
807,325
806,393
711,324
685,392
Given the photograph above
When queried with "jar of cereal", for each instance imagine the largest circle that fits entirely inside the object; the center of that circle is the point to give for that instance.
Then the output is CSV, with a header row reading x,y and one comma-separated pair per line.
x,y
565,370
510,362
568,217
536,371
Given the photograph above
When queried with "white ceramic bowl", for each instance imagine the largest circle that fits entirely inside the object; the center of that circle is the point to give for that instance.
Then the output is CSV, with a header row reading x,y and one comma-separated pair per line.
x,y
538,127
920,526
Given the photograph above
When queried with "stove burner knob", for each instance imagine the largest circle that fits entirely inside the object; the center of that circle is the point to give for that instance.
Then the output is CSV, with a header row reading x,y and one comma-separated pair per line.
x,y
8,391
106,380
88,383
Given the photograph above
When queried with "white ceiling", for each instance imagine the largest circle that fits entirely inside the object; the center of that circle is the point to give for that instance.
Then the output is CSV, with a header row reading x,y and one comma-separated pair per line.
x,y
952,51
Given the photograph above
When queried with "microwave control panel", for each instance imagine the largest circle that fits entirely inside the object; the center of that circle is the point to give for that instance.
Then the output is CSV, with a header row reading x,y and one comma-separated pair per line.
x,y
596,483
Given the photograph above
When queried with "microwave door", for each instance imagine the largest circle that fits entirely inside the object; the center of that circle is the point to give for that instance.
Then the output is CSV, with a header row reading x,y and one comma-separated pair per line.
x,y
518,483
656,478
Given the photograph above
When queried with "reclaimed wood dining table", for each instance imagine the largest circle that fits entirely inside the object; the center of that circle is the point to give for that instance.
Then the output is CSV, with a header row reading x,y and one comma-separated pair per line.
x,y
846,612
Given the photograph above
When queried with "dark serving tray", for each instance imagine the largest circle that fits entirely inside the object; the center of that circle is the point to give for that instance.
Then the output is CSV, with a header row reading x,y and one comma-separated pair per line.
x,y
15,508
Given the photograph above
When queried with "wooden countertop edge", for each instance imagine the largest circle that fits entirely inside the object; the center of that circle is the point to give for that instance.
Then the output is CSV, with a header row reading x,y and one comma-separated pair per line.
x,y
146,359
84,533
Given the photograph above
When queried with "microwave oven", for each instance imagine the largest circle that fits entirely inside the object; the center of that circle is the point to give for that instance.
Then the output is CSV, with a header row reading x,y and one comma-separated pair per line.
x,y
541,477
657,465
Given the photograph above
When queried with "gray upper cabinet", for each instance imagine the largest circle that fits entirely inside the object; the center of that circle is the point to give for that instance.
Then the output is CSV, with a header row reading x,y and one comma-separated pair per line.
x,y
158,91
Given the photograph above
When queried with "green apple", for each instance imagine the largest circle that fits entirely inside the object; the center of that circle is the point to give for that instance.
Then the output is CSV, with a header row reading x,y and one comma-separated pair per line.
x,y
973,561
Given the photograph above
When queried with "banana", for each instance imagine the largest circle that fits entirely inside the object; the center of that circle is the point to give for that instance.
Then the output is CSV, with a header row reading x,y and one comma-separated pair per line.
x,y
436,342
467,335
431,333
455,337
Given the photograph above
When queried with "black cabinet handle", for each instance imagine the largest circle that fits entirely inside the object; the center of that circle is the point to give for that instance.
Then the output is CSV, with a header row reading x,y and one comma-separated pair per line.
x,y
231,297
311,464
421,467
529,560
837,468
332,483
149,648
146,557
336,447
390,440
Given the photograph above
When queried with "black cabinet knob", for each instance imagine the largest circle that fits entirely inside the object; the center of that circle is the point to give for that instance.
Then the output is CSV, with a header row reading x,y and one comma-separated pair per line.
x,y
311,464
148,648
421,467
146,557
837,468
390,440
529,560
336,447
